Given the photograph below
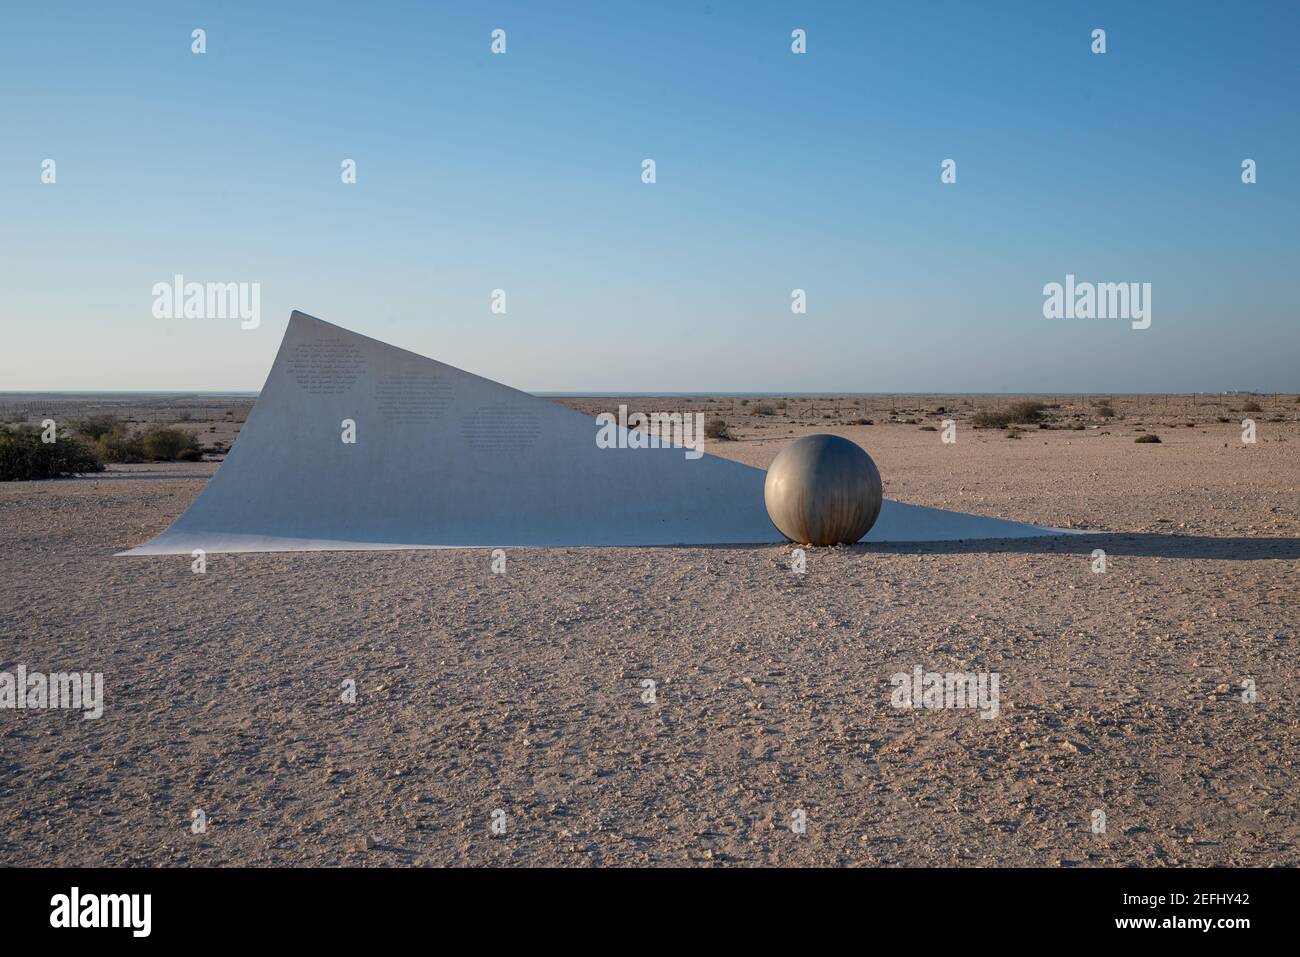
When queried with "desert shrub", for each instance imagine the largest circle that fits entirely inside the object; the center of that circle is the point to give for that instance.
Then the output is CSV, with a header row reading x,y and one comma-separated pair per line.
x,y
96,426
1023,412
118,445
158,443
716,429
1148,437
861,422
991,419
167,442
1223,418
928,428
1106,410
24,457
763,409
1014,433
1026,411
1252,407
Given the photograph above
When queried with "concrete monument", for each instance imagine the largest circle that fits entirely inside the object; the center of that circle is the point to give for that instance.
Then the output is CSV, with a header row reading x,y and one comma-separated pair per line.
x,y
356,444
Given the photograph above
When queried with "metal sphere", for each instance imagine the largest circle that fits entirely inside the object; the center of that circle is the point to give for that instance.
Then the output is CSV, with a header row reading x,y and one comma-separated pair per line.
x,y
823,490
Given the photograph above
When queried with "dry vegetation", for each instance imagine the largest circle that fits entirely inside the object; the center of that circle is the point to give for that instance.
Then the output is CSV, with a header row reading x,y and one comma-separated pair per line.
x,y
109,428
756,419
149,428
25,456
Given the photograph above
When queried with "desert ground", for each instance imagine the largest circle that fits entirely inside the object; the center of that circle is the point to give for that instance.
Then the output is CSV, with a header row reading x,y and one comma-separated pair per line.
x,y
1121,692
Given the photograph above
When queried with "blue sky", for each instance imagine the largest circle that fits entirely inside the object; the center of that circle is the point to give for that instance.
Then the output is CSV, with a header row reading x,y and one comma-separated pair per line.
x,y
775,171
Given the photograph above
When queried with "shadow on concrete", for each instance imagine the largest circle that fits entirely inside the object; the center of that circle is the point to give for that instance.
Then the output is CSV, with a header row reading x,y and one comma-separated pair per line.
x,y
1141,544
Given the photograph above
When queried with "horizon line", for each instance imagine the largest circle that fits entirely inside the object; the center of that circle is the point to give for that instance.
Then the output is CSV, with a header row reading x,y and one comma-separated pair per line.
x,y
638,393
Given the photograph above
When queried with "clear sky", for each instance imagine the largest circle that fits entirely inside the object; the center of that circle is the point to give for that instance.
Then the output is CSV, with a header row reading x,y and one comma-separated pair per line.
x,y
775,171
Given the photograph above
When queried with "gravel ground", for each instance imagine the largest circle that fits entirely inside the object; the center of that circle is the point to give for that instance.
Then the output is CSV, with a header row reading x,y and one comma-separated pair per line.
x,y
1119,692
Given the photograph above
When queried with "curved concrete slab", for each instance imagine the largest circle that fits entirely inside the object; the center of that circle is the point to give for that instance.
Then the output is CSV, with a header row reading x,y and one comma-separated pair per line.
x,y
446,459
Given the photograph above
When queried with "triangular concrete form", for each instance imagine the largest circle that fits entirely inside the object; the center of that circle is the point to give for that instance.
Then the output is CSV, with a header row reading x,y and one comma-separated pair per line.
x,y
444,458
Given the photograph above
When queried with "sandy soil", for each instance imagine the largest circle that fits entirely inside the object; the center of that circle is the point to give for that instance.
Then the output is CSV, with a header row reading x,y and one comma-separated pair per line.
x,y
1120,692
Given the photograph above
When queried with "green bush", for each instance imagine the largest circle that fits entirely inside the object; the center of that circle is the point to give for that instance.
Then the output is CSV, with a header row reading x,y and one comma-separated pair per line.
x,y
96,426
167,443
158,443
24,457
117,445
